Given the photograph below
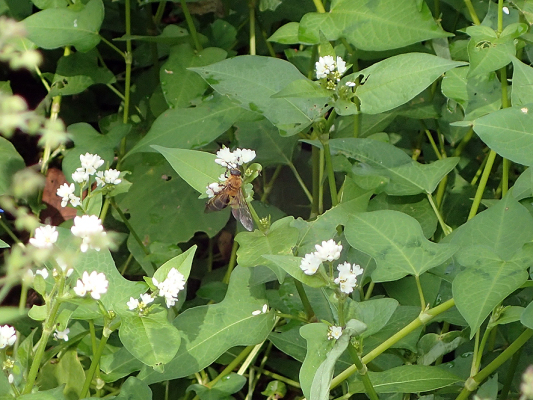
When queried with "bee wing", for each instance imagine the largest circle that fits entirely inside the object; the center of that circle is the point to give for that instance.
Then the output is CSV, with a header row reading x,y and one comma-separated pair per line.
x,y
217,203
241,211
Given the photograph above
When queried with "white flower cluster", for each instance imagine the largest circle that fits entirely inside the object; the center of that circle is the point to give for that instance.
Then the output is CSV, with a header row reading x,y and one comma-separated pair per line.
x,y
45,237
348,274
331,69
232,159
8,336
334,332
94,283
89,166
327,251
134,304
331,251
171,286
90,229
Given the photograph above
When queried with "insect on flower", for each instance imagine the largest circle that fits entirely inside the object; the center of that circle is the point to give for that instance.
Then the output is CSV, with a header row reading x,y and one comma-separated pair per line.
x,y
230,193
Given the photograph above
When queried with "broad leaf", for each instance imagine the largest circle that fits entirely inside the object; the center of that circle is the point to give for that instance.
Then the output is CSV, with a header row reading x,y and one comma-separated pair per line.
x,y
487,281
291,265
59,27
396,80
521,93
397,243
252,80
372,24
218,327
10,162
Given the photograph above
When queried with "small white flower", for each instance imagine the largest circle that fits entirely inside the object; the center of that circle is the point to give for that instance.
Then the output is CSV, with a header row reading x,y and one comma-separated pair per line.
x,y
328,251
214,189
91,162
64,267
171,286
146,298
8,336
341,65
334,332
348,276
80,175
244,156
74,200
133,303
324,66
62,335
109,176
43,272
310,264
45,237
100,181
65,191
10,379
95,283
90,229
226,158
350,84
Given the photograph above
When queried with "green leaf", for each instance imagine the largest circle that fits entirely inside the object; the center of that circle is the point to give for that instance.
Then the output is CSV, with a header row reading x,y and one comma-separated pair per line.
x,y
527,316
407,177
42,4
317,348
376,25
432,346
3,245
222,390
181,85
274,149
291,265
119,364
278,240
169,203
396,80
505,228
151,339
375,313
302,88
76,72
521,92
324,373
10,314
252,80
10,162
508,133
197,168
217,327
134,389
182,263
397,243
59,27
190,128
406,379
171,35
487,281
286,34
488,52
477,95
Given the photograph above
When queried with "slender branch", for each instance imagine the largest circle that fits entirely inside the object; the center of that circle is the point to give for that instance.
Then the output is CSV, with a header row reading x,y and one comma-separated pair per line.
x,y
472,12
190,25
482,184
92,369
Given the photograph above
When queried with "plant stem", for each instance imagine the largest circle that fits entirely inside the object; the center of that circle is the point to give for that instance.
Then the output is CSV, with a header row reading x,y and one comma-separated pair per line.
x,y
300,181
128,57
482,184
472,383
331,175
445,228
268,187
420,293
190,25
232,261
9,231
363,372
251,7
421,320
282,379
315,159
510,374
305,300
92,369
472,12
319,6
113,47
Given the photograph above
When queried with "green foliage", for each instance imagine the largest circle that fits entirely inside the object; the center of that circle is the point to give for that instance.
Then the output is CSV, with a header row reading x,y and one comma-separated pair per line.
x,y
374,154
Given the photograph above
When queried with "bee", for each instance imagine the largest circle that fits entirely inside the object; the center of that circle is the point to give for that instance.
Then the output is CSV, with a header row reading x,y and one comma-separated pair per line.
x,y
230,194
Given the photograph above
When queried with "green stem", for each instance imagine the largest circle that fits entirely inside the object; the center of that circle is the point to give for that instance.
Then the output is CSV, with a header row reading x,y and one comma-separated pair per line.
x,y
282,379
511,370
472,12
482,347
113,46
319,6
105,207
315,160
300,181
130,228
128,57
232,261
305,300
369,290
421,320
268,187
321,179
445,228
420,293
94,364
482,184
433,144
472,383
363,373
331,175
48,328
190,25
466,139
505,104
500,17
159,13
9,231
